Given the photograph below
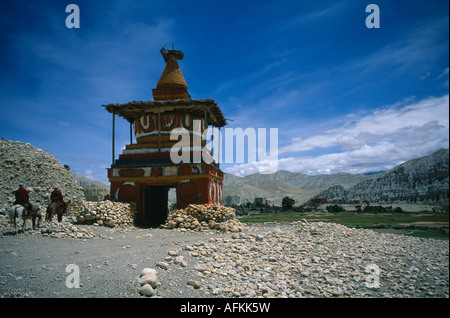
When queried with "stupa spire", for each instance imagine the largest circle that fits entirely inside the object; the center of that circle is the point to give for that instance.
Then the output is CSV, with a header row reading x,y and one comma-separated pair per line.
x,y
171,84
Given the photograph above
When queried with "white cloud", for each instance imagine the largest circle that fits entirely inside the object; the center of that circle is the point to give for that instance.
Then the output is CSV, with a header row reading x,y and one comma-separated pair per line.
x,y
410,125
88,173
63,123
375,141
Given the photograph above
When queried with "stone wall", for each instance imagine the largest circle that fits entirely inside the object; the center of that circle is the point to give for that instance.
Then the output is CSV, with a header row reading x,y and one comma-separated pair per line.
x,y
201,217
105,213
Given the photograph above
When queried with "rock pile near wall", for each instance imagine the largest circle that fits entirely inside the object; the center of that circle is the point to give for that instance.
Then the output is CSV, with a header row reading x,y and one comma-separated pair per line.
x,y
200,217
107,213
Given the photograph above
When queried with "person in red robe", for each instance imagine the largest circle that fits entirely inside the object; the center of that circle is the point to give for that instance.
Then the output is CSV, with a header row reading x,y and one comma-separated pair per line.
x,y
56,196
22,197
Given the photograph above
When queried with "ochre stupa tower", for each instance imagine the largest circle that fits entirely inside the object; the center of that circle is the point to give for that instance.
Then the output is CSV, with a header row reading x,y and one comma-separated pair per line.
x,y
145,172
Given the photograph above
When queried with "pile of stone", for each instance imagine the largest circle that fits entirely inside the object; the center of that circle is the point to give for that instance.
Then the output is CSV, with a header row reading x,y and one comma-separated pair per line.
x,y
38,170
202,217
106,213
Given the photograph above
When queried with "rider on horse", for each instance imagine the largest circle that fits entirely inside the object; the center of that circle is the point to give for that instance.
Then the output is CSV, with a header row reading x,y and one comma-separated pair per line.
x,y
57,197
22,197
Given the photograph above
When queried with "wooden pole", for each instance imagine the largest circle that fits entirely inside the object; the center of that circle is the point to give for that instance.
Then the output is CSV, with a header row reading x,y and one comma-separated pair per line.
x,y
113,136
212,143
206,125
218,155
159,133
131,133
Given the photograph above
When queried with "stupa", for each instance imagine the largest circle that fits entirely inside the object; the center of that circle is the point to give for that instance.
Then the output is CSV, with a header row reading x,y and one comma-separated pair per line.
x,y
145,171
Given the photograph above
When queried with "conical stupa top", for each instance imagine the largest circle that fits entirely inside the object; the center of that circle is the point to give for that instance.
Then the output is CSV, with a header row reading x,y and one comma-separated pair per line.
x,y
172,76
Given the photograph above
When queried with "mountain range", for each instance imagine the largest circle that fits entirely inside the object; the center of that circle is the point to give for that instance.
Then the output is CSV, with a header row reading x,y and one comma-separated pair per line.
x,y
419,180
93,190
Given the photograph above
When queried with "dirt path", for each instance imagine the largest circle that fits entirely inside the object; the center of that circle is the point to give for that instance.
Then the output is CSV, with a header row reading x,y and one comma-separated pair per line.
x,y
33,265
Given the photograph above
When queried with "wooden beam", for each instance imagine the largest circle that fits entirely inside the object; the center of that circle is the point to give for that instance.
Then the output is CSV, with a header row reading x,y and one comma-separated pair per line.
x,y
131,133
212,143
159,132
113,137
218,154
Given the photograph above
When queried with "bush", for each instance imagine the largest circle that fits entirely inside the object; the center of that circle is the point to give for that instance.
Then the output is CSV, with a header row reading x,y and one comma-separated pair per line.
x,y
287,203
377,208
300,208
398,210
335,208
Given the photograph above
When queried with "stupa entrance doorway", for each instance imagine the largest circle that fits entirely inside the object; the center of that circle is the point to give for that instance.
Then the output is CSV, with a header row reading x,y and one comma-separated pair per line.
x,y
155,205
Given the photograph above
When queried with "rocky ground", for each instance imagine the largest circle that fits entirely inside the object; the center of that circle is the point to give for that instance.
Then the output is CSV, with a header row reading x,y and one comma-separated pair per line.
x,y
272,260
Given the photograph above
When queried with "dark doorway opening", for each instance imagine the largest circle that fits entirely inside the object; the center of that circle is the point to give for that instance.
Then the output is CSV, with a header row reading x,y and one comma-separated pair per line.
x,y
154,205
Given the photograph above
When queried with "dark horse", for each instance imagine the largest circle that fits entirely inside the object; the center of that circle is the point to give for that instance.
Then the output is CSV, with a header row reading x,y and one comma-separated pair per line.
x,y
52,209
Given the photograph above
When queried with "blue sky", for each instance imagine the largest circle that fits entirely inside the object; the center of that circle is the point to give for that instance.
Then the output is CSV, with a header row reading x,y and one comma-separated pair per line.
x,y
345,98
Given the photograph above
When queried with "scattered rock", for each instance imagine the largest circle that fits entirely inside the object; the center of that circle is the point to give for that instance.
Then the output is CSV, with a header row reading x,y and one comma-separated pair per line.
x,y
147,271
194,283
162,265
200,268
174,252
147,290
328,260
150,279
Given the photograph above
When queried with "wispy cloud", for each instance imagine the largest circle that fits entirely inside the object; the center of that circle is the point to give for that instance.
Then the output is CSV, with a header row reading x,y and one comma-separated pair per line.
x,y
307,17
100,65
63,124
444,73
416,48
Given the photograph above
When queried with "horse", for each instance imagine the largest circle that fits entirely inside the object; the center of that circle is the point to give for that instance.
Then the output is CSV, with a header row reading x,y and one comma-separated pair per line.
x,y
17,212
52,209
36,213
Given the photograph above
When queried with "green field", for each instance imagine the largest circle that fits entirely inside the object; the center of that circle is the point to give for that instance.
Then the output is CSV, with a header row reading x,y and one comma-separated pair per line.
x,y
425,224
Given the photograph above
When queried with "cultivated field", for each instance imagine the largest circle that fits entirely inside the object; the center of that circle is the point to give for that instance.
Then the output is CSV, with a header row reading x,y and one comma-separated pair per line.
x,y
419,224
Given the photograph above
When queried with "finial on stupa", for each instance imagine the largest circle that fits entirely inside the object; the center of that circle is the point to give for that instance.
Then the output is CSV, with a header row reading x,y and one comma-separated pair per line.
x,y
177,55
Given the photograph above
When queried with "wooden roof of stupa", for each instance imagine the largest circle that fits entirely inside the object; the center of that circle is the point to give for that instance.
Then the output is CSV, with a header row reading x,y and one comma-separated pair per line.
x,y
133,110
